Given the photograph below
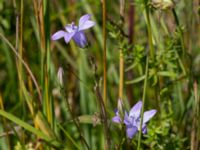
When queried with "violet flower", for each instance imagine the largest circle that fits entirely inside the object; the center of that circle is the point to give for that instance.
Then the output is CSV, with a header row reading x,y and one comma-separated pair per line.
x,y
75,32
117,118
133,119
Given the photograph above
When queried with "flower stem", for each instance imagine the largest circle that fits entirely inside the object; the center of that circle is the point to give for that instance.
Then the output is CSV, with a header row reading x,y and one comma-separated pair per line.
x,y
104,117
151,49
143,98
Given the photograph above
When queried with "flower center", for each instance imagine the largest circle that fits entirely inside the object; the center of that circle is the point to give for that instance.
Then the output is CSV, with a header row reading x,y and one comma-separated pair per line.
x,y
73,27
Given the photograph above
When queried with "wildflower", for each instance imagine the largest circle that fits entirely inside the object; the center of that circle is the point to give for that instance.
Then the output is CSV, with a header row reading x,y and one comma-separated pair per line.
x,y
132,119
117,118
118,112
75,32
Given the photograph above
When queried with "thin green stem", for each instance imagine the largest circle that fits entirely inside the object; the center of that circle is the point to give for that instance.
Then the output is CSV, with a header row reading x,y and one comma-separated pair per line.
x,y
175,17
150,40
68,136
179,29
104,117
74,118
182,41
151,48
143,98
103,111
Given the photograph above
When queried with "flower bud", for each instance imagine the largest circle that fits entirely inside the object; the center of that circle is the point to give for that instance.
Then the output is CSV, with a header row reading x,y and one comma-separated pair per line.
x,y
60,76
120,106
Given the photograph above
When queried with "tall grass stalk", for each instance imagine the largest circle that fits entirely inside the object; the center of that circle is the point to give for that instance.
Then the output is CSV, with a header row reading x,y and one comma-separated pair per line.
x,y
83,68
74,118
195,121
41,13
121,59
5,123
20,71
103,101
25,65
104,117
143,101
151,49
104,53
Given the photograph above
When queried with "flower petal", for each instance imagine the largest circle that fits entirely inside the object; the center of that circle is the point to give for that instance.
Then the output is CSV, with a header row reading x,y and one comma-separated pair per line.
x,y
127,119
116,119
86,25
144,130
130,132
58,35
148,115
71,27
84,18
68,36
80,39
135,110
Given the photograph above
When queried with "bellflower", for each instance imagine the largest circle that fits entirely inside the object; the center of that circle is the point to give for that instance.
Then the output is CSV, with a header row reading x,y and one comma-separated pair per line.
x,y
132,119
117,118
75,32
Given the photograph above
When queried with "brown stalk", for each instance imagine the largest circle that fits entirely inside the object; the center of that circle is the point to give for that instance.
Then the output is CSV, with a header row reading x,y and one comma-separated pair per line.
x,y
121,57
104,53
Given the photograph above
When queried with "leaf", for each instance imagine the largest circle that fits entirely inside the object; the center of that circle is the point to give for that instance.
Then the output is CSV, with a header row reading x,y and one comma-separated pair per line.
x,y
68,135
167,74
136,80
28,127
90,119
44,125
131,66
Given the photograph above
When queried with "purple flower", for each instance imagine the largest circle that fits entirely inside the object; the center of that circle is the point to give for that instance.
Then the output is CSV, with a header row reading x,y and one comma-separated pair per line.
x,y
133,119
117,118
75,32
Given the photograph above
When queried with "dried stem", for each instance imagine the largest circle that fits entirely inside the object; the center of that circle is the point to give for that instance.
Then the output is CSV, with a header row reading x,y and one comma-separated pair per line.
x,y
130,74
104,53
195,122
104,116
121,57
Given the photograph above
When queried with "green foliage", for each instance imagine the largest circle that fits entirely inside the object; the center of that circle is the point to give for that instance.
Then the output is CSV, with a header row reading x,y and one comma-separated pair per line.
x,y
162,135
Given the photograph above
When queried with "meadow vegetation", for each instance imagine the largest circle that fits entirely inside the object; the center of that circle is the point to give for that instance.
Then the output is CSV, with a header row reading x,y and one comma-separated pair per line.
x,y
130,81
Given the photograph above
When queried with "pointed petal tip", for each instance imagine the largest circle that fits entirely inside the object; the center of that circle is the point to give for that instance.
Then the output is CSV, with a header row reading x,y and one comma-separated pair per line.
x,y
57,35
135,110
116,119
130,132
148,115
